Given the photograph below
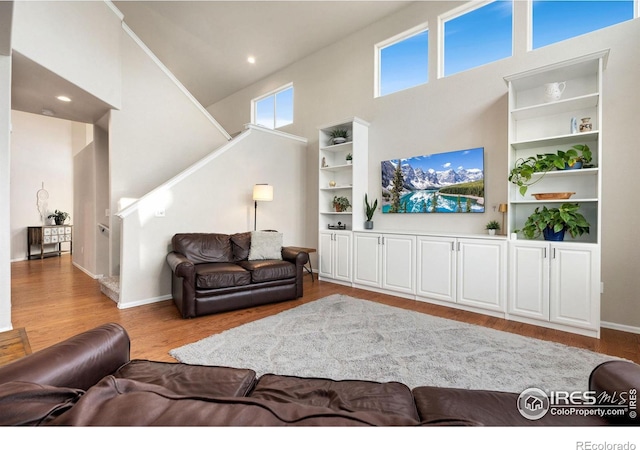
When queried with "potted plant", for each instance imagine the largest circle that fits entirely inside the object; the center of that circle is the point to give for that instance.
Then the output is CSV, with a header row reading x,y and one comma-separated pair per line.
x,y
369,211
59,217
552,223
341,203
339,135
574,158
492,226
349,158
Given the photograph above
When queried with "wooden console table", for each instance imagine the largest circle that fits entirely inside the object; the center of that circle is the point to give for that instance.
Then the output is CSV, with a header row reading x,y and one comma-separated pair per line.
x,y
49,235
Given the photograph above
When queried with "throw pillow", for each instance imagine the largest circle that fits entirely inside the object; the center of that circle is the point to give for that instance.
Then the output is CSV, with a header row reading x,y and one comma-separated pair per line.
x,y
265,245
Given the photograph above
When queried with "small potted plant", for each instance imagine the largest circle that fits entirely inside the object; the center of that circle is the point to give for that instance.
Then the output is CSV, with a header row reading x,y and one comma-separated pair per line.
x,y
349,158
369,211
552,223
574,158
341,203
492,226
339,136
59,217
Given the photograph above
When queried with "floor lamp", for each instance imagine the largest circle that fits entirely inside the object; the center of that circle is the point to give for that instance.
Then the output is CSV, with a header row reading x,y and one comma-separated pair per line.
x,y
261,193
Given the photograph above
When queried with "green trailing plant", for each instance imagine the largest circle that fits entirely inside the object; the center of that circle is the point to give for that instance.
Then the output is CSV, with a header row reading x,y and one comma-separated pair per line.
x,y
341,203
526,168
566,217
59,216
370,209
492,225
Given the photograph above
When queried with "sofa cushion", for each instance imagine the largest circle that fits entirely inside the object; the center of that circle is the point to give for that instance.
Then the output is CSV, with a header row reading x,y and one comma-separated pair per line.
x,y
265,245
240,245
489,408
268,270
186,379
390,398
203,247
221,275
25,403
124,402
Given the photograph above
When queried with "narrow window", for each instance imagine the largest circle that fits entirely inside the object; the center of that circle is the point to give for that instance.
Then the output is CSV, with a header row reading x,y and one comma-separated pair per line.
x,y
477,36
402,61
559,20
275,109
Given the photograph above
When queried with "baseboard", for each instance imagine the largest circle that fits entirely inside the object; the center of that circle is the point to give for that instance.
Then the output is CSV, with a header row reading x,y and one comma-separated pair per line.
x,y
145,301
620,327
95,277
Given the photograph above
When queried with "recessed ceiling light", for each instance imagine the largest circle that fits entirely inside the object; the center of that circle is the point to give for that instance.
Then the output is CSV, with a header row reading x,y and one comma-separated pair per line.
x,y
63,98
251,60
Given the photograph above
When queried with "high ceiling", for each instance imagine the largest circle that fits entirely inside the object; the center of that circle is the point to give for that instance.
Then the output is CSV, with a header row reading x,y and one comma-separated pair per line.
x,y
205,44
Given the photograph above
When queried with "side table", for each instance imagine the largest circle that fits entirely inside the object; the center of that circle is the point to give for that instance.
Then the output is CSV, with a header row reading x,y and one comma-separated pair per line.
x,y
307,250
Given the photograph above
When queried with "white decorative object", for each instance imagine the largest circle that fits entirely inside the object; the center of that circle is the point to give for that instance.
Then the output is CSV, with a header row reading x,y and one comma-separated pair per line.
x,y
42,203
265,245
553,91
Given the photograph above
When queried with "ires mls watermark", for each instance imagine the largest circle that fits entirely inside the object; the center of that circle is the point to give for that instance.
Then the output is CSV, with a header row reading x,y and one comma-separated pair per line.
x,y
534,403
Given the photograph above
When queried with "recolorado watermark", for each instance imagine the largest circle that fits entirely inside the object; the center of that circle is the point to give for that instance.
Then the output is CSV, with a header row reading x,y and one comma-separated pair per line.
x,y
588,445
534,404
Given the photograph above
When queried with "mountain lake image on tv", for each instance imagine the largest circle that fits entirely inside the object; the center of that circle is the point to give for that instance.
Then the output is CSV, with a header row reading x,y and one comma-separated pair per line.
x,y
451,182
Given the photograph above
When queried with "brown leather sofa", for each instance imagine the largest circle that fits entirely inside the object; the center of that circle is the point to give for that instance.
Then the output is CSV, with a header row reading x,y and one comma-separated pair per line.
x,y
90,380
212,273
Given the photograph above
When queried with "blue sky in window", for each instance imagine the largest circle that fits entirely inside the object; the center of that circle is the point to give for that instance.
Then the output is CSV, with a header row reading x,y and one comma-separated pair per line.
x,y
284,107
264,111
554,21
404,64
478,37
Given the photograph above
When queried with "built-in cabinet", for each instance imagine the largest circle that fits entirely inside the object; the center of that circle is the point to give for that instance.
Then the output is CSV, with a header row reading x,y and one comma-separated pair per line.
x,y
385,261
461,271
334,256
555,285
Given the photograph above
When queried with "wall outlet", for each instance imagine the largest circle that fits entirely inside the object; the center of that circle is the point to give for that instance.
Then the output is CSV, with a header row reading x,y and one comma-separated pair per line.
x,y
160,212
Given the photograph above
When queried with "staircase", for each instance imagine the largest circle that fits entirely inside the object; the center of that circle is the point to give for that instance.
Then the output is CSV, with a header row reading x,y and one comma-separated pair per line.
x,y
110,286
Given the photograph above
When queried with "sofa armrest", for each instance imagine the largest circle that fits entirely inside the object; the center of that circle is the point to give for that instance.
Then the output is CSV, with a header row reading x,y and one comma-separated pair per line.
x,y
78,362
180,265
295,256
617,378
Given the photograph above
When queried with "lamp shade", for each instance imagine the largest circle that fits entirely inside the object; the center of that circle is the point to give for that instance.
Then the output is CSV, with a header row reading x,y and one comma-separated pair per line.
x,y
502,208
262,193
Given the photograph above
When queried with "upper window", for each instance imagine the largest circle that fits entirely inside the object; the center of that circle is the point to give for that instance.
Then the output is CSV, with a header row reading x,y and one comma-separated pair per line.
x,y
476,36
555,21
275,109
402,61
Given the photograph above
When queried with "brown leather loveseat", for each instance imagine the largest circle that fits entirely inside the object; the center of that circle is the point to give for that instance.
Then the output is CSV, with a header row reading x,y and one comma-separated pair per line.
x,y
89,379
213,272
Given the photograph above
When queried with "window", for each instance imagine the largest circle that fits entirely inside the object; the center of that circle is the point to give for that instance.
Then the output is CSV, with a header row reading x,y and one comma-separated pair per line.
x,y
401,62
275,109
474,37
555,21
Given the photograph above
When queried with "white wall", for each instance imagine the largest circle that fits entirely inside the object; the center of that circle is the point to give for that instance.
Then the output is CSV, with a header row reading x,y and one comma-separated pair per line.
x,y
217,197
465,110
80,41
41,152
5,162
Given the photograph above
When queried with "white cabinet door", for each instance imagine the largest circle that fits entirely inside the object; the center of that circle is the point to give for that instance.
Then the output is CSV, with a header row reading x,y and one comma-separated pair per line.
x,y
481,281
529,279
342,252
367,256
436,268
325,255
575,286
398,263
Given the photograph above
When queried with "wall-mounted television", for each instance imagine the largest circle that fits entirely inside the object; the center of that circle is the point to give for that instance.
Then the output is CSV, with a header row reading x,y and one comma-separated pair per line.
x,y
450,182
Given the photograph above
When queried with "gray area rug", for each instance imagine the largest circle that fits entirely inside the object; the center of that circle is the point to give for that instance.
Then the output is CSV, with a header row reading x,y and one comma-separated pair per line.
x,y
341,337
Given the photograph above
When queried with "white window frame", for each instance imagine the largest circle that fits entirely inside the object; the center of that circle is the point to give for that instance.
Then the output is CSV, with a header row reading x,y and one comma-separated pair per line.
x,y
274,93
461,11
636,14
389,42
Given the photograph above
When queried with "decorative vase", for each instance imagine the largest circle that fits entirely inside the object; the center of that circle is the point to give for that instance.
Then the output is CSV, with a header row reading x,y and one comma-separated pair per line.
x,y
586,125
576,165
339,140
553,91
332,183
58,221
368,225
550,235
